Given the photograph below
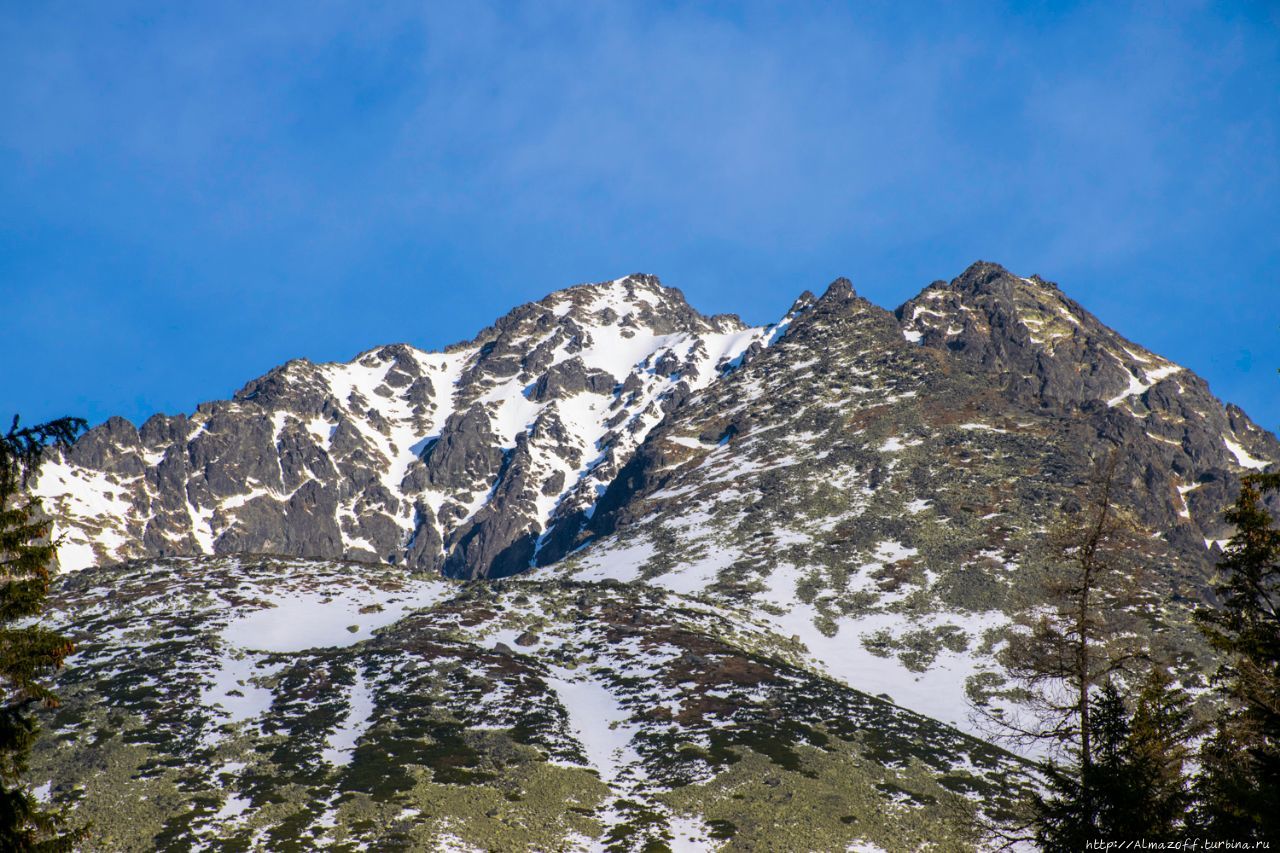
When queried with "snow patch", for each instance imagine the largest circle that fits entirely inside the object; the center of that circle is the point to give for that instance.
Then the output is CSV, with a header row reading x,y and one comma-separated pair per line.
x,y
620,564
983,427
232,689
597,720
1243,459
82,501
341,742
938,692
234,807
300,620
1141,381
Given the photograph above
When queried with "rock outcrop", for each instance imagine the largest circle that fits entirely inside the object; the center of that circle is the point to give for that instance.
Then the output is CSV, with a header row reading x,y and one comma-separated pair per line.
x,y
510,450
454,462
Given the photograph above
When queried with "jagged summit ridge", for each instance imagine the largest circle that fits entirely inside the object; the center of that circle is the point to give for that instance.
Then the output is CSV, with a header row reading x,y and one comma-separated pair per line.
x,y
1047,351
454,461
776,567
880,489
492,455
1017,326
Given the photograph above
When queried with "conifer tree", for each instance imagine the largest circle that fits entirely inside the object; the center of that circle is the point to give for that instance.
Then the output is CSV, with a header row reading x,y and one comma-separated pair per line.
x,y
1157,749
28,651
1223,792
1239,789
1078,630
1089,799
1134,787
1113,782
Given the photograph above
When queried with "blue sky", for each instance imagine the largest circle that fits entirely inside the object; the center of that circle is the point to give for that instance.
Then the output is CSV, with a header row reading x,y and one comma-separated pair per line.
x,y
191,194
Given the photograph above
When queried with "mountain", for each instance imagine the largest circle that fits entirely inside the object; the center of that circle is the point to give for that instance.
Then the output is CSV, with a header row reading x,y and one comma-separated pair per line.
x,y
742,586
880,487
488,458
462,462
232,703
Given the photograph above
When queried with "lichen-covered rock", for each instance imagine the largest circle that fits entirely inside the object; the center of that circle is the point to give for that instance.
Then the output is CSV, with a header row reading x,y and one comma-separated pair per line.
x,y
223,703
511,450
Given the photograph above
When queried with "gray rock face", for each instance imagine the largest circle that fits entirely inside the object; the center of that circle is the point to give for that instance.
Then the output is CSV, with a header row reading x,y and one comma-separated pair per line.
x,y
883,494
513,449
1183,449
467,451
572,377
457,461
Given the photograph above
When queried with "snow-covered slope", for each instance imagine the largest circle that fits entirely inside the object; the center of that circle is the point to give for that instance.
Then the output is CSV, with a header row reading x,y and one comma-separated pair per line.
x,y
763,573
458,461
229,703
883,495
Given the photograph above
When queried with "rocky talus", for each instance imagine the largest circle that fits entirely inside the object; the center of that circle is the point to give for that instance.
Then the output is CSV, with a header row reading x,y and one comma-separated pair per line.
x,y
614,575
510,450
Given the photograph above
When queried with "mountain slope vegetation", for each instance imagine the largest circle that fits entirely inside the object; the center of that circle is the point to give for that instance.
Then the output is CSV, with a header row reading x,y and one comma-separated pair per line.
x,y
614,573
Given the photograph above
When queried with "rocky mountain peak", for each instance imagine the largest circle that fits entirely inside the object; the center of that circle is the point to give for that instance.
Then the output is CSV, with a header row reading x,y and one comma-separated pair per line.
x,y
803,301
492,456
636,302
1028,331
459,461
879,486
1047,352
840,290
822,528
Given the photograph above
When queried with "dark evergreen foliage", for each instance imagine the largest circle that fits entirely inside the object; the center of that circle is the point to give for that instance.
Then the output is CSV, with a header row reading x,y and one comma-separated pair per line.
x,y
1134,786
1224,791
1157,752
28,652
1128,781
1240,786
